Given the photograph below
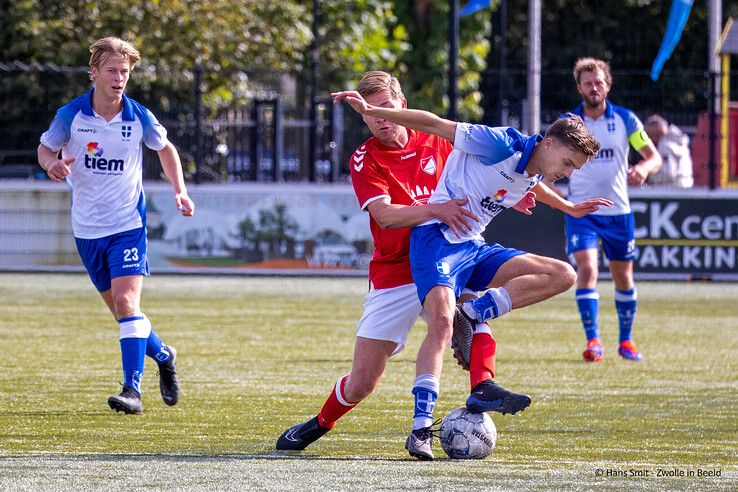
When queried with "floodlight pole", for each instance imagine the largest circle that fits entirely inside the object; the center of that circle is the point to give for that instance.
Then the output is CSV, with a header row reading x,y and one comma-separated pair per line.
x,y
453,58
534,67
714,21
313,138
502,104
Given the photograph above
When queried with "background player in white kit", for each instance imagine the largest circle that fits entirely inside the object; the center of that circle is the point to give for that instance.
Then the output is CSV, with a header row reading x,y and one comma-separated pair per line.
x,y
99,135
617,129
494,169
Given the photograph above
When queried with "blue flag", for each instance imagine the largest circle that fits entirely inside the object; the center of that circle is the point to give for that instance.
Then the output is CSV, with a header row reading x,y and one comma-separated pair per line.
x,y
678,16
473,6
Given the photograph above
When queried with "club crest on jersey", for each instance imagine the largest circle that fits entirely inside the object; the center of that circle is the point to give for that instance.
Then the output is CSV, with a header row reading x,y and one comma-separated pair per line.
x,y
125,132
611,127
94,159
428,165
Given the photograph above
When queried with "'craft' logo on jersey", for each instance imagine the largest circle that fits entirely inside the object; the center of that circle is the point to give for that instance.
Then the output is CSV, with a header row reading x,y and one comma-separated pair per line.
x,y
125,132
94,159
492,203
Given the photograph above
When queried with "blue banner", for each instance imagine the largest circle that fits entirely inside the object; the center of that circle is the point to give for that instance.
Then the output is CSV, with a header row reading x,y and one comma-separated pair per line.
x,y
474,6
678,16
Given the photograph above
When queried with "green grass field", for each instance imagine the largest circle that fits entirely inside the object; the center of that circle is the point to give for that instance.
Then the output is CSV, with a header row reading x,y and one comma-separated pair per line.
x,y
259,354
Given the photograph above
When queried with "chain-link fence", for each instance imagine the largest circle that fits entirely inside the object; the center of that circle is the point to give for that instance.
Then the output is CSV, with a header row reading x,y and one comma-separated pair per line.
x,y
264,134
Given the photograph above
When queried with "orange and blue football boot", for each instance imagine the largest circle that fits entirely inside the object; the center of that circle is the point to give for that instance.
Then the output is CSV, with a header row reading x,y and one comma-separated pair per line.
x,y
594,351
628,350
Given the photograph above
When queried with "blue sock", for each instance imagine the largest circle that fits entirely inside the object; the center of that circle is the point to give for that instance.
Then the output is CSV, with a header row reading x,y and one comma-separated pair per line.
x,y
156,349
588,301
626,303
425,390
132,350
134,332
492,304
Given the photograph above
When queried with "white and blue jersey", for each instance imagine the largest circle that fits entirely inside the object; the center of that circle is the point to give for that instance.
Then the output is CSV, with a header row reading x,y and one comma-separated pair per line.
x,y
106,176
487,166
605,176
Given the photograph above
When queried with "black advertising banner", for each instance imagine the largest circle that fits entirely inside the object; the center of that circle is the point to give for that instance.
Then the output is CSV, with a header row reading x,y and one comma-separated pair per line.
x,y
687,235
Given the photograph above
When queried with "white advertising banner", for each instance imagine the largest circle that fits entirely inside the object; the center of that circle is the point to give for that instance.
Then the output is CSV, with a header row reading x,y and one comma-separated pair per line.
x,y
259,228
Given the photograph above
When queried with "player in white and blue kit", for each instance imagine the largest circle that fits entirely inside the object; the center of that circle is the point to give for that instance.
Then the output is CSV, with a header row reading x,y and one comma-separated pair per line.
x,y
494,169
617,129
95,144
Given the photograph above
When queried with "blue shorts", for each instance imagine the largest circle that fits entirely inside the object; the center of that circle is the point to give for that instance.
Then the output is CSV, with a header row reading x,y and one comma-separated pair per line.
x,y
615,231
471,264
114,256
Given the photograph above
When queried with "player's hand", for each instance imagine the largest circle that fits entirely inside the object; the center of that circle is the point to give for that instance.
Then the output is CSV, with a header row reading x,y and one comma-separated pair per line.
x,y
184,204
526,203
637,175
588,206
60,169
454,215
353,98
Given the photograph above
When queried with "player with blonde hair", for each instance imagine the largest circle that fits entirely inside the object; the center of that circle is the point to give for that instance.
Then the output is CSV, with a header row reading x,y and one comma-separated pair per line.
x,y
94,144
492,169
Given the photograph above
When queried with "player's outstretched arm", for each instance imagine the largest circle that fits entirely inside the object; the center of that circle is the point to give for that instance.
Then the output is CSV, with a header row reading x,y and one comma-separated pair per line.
x,y
546,195
452,213
416,119
170,163
56,168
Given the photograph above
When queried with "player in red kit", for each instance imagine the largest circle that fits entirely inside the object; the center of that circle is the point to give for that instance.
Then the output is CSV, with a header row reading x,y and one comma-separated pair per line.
x,y
393,174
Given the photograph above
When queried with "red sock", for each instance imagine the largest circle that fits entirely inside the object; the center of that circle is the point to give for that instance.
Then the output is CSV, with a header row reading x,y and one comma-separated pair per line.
x,y
482,363
336,406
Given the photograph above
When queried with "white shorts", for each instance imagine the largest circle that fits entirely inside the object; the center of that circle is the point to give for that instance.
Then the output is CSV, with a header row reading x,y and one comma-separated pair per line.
x,y
389,314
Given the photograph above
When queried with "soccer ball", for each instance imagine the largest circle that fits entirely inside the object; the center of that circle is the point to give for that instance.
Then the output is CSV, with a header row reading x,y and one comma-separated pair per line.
x,y
466,435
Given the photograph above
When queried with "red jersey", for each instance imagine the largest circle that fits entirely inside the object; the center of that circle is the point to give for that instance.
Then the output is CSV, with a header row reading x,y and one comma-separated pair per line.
x,y
406,176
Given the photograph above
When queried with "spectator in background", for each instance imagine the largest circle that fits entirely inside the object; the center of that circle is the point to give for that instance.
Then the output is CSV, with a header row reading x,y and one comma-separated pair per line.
x,y
673,145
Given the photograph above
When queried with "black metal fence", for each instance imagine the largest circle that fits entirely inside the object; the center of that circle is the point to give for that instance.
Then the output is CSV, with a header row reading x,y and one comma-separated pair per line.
x,y
265,134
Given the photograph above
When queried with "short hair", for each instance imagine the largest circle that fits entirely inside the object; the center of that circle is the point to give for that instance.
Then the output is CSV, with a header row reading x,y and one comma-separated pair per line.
x,y
377,81
104,48
571,131
656,120
592,65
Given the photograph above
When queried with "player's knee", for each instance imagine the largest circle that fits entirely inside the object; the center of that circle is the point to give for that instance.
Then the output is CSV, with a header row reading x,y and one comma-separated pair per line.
x,y
565,275
124,305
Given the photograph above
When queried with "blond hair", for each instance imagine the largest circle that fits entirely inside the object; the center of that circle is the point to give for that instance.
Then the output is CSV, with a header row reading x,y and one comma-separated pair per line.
x,y
571,131
592,65
376,81
102,49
